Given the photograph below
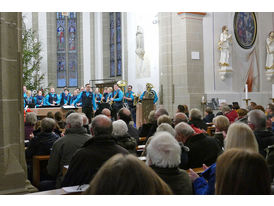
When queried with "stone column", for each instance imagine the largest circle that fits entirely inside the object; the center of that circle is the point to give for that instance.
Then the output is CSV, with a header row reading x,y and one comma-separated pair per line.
x,y
181,76
13,171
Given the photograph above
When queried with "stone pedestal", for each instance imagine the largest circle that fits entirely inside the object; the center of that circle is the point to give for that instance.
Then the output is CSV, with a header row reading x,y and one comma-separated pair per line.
x,y
13,170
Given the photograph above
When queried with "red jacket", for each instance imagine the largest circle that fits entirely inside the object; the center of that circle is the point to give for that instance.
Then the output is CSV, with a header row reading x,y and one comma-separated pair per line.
x,y
232,116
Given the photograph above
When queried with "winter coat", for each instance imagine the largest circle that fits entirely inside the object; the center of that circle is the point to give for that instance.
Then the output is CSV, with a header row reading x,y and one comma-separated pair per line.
x,y
88,159
264,138
127,142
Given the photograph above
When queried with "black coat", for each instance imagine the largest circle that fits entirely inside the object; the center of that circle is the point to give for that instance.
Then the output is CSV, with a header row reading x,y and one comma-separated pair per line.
x,y
133,132
87,160
177,179
127,142
41,144
208,118
203,150
264,138
144,129
198,123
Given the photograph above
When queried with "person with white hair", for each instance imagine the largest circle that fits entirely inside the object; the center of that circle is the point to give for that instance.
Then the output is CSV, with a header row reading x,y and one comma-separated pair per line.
x,y
203,149
164,157
195,119
120,133
64,148
257,121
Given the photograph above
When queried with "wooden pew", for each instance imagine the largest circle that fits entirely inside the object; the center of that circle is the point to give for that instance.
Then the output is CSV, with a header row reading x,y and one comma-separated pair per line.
x,y
210,131
36,168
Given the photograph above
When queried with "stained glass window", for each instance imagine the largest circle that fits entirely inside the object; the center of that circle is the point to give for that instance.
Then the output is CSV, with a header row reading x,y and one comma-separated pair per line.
x,y
67,55
115,44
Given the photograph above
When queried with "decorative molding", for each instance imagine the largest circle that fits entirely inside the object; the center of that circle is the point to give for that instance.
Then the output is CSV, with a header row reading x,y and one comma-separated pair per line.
x,y
195,13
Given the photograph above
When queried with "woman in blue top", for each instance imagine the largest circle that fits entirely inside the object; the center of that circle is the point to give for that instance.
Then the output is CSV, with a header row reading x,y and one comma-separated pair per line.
x,y
39,99
29,100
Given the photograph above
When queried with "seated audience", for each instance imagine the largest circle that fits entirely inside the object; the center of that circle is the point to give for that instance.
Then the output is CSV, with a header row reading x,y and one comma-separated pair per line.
x,y
257,122
120,133
186,110
42,143
126,175
69,112
85,122
88,159
31,119
64,148
164,157
221,126
206,183
242,115
270,160
235,106
50,115
232,115
180,117
145,128
106,112
195,120
209,115
259,107
164,119
125,115
59,119
242,172
252,105
203,149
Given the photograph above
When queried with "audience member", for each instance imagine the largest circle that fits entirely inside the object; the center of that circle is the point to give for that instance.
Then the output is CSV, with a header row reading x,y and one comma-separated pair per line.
x,y
126,175
242,172
145,128
164,119
221,126
120,133
180,117
164,157
31,119
64,148
186,110
125,115
85,122
259,107
205,184
59,119
195,119
180,109
242,115
69,112
106,112
232,115
209,115
253,105
257,122
203,149
88,159
50,115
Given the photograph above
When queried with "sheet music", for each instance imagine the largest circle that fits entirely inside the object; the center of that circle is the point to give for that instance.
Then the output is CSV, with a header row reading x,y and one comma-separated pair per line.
x,y
77,188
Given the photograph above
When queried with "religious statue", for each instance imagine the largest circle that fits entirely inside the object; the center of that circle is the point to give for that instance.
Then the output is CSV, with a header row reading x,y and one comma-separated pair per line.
x,y
223,46
270,51
140,49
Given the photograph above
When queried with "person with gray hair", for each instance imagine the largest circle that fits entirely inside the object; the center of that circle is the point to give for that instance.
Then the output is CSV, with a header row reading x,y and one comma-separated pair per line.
x,y
202,148
64,148
164,157
31,119
180,117
121,135
195,119
257,121
91,156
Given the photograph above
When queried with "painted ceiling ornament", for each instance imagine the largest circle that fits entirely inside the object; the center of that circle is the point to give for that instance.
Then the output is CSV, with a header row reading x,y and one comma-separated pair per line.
x,y
224,47
269,66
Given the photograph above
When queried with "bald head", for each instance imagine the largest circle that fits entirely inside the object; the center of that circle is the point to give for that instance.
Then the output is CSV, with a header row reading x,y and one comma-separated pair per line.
x,y
125,115
180,117
101,125
106,112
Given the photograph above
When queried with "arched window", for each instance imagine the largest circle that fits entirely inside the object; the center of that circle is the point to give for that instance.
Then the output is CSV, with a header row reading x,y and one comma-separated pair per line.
x,y
115,44
67,49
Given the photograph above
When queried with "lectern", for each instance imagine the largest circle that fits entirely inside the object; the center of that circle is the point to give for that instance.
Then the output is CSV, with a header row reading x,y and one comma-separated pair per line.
x,y
142,111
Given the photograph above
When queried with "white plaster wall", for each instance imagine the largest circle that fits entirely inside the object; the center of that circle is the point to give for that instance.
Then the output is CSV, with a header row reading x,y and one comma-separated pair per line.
x,y
42,34
27,18
151,44
232,89
86,47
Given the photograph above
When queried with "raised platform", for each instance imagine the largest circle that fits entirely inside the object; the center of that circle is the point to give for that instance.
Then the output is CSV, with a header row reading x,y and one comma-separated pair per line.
x,y
42,112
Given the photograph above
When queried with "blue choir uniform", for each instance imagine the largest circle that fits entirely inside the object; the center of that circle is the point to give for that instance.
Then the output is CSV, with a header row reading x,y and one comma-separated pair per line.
x,y
129,95
38,100
28,101
155,96
86,102
65,99
50,98
98,98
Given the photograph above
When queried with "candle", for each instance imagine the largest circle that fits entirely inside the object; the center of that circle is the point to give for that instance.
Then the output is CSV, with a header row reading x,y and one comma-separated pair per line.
x,y
246,91
272,91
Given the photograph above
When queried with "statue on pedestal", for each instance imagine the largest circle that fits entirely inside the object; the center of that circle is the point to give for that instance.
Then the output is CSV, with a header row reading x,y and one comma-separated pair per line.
x,y
224,46
140,49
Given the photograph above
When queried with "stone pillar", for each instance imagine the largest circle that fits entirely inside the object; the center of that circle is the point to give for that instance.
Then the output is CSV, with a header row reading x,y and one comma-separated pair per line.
x,y
13,171
181,76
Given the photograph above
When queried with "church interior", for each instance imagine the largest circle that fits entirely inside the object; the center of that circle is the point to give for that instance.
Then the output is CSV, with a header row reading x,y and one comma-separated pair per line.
x,y
157,66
